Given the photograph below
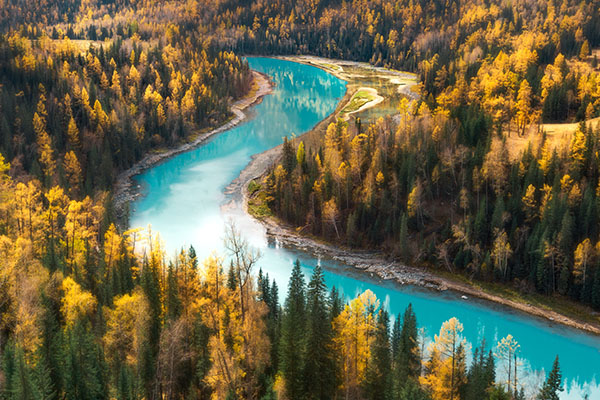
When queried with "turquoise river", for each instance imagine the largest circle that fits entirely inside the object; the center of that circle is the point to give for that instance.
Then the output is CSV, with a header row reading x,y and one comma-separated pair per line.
x,y
184,199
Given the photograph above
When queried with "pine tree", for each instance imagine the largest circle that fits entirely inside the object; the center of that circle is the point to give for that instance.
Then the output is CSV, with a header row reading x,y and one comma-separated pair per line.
x,y
84,366
43,380
173,302
293,326
151,286
51,349
407,360
378,377
336,303
319,367
289,156
9,367
553,385
23,386
231,278
411,390
481,375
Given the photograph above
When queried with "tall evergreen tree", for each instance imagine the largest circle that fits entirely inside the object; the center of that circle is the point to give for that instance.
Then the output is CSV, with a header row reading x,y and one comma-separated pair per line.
x,y
293,326
407,360
319,367
378,377
173,302
149,351
84,369
336,303
481,375
23,386
553,385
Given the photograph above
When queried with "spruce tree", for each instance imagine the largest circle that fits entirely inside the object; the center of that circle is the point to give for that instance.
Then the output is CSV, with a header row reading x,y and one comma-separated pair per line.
x,y
553,385
407,360
395,339
411,390
289,156
319,367
481,374
84,370
378,376
51,348
151,286
336,303
43,380
23,387
293,334
173,306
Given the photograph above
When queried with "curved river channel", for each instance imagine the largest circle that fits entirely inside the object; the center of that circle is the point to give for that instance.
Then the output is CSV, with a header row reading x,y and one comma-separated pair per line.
x,y
184,200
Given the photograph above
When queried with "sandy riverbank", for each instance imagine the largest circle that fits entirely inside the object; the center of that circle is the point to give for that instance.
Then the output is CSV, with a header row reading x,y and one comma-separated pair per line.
x,y
127,191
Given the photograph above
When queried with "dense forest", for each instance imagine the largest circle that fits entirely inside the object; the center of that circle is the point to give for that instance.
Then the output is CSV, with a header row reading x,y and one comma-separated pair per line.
x,y
442,191
75,112
87,88
83,316
483,50
466,179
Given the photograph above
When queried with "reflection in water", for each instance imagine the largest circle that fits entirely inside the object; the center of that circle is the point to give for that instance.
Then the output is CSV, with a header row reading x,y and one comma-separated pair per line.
x,y
183,202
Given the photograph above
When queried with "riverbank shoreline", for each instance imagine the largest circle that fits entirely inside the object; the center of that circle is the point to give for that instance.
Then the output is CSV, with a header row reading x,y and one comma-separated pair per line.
x,y
375,263
126,191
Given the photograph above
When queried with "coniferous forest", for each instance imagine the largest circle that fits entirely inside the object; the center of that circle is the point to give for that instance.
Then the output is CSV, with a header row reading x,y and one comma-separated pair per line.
x,y
452,182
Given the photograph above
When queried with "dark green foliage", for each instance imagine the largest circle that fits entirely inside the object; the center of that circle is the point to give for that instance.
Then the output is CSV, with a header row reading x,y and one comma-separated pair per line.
x,y
151,286
289,156
293,334
406,356
85,371
378,381
481,374
553,385
173,302
498,393
319,362
412,391
336,303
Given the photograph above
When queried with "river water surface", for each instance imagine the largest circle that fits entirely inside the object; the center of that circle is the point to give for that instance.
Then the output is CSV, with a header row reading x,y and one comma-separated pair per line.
x,y
184,200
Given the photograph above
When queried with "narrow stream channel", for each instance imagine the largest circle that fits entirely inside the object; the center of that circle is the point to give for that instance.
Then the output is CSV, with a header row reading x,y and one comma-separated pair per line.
x,y
184,201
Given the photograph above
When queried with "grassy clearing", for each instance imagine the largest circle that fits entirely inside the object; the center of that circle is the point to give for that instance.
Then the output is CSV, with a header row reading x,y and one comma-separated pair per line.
x,y
332,67
359,99
257,201
557,135
561,129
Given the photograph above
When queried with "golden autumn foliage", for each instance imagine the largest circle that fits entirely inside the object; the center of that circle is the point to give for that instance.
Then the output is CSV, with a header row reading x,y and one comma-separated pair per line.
x,y
239,345
76,302
446,368
353,332
127,324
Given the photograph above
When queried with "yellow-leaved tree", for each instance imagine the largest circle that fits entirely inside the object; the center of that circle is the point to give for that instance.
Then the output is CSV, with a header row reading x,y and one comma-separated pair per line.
x,y
77,303
239,346
127,326
445,371
583,257
354,332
